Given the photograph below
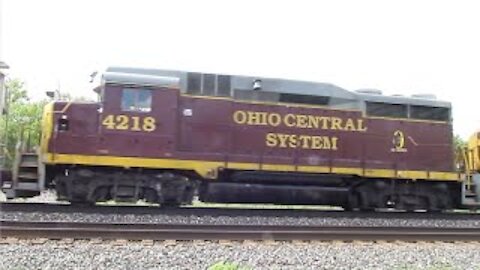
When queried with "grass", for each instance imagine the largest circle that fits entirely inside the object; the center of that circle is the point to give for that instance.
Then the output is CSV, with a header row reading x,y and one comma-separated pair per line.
x,y
224,265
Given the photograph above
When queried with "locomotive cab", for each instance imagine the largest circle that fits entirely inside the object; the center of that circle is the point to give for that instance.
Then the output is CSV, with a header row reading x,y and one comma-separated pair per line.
x,y
139,112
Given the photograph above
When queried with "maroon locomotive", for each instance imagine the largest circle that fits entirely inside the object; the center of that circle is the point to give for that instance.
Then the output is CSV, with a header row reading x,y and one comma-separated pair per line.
x,y
169,136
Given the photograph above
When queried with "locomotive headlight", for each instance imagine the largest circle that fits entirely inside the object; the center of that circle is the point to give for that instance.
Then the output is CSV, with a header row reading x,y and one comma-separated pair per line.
x,y
63,124
257,85
187,112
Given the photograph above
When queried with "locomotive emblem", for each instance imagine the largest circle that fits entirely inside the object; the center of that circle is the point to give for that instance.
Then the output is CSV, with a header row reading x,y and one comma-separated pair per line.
x,y
398,142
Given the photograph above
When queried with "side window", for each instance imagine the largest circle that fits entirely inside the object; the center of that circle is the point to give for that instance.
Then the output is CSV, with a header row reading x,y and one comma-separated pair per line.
x,y
386,109
194,83
224,85
208,84
304,99
430,113
137,100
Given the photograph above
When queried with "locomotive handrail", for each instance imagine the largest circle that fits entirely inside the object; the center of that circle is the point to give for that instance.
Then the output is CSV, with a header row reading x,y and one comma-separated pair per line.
x,y
26,144
16,163
468,167
65,108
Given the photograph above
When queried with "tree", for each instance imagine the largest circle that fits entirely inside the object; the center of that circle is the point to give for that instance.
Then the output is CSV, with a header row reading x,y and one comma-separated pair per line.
x,y
459,145
16,91
22,121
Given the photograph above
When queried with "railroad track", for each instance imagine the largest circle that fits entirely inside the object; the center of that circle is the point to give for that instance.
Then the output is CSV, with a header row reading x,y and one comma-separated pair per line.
x,y
75,230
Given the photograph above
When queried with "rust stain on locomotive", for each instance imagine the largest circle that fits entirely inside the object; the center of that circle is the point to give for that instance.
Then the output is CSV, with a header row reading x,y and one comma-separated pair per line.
x,y
241,132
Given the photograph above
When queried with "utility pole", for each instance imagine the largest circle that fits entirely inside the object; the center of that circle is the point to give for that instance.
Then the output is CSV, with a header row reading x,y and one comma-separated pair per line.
x,y
3,101
3,92
3,66
3,114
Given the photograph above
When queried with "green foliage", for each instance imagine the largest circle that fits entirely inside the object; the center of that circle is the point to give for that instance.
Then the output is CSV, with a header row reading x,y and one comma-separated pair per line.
x,y
459,145
459,142
226,266
16,91
22,121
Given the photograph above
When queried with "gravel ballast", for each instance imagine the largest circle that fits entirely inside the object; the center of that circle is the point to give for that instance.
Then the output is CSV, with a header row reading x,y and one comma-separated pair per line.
x,y
238,220
253,255
253,219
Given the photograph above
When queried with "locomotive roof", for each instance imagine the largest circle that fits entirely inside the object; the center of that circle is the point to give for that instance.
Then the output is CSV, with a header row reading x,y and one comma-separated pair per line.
x,y
338,97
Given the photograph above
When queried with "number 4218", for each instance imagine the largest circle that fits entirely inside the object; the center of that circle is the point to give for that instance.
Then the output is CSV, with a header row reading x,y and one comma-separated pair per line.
x,y
133,123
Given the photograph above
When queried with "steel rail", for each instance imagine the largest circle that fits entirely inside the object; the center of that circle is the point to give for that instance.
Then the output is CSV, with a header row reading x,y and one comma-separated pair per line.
x,y
230,212
60,230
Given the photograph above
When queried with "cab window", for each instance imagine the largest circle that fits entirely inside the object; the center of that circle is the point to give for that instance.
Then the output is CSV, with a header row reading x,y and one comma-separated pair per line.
x,y
138,100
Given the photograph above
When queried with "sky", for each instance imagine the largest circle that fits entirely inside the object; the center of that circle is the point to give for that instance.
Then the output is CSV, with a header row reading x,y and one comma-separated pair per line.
x,y
400,47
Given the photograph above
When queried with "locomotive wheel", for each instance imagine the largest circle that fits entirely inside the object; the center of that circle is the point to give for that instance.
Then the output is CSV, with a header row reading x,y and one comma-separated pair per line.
x,y
403,196
101,194
88,186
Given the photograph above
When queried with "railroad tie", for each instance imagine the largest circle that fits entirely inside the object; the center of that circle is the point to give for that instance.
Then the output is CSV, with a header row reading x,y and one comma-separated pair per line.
x,y
39,241
270,242
9,241
147,242
120,242
228,243
199,242
170,242
66,241
96,241
250,242
301,242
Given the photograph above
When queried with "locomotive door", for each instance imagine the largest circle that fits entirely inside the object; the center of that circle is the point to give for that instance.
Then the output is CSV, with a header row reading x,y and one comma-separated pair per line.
x,y
137,122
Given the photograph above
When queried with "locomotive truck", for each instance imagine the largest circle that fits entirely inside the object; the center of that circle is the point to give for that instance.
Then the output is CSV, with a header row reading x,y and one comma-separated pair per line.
x,y
168,137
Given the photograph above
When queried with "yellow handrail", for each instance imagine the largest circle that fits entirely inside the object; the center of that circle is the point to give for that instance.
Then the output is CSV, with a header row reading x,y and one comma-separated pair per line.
x,y
466,161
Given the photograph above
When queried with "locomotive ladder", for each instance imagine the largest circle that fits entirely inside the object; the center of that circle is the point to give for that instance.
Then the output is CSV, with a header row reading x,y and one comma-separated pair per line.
x,y
471,191
27,174
471,186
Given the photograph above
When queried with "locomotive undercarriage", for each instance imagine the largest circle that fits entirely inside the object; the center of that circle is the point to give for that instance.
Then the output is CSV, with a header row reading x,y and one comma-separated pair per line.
x,y
349,192
175,188
404,195
91,185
